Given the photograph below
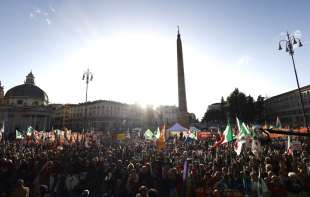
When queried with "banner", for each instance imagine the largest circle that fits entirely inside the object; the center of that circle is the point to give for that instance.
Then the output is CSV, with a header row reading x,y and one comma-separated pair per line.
x,y
203,135
121,136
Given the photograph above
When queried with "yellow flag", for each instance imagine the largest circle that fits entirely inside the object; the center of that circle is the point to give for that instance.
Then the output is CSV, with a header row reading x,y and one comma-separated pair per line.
x,y
160,143
121,136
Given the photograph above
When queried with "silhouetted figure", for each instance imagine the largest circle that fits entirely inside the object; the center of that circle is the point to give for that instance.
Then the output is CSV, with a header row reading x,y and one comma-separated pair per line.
x,y
181,136
20,190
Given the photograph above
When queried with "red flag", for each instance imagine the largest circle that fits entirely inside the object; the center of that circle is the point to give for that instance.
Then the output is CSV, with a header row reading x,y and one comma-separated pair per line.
x,y
220,141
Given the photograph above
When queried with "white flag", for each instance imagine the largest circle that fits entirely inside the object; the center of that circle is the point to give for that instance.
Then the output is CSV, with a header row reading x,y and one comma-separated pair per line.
x,y
289,146
238,145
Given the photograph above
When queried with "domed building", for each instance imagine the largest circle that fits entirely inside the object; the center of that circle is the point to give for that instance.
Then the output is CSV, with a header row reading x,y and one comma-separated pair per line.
x,y
25,105
27,94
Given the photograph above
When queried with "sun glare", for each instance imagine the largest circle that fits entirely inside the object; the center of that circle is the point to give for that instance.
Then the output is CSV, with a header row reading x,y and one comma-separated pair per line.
x,y
130,68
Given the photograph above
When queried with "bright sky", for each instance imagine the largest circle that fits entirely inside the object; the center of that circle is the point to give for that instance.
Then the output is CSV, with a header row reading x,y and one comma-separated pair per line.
x,y
130,46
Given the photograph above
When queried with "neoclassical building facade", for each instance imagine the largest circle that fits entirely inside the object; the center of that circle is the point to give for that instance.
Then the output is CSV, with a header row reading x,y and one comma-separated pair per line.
x,y
103,115
25,105
287,107
28,105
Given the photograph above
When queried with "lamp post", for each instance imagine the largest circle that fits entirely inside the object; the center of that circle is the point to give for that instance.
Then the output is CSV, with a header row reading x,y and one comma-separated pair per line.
x,y
87,76
291,42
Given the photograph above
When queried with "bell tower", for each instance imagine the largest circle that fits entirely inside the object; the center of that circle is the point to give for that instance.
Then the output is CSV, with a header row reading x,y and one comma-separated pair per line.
x,y
30,79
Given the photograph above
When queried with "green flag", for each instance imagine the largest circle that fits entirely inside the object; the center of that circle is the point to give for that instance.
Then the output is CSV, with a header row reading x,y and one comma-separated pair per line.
x,y
228,134
243,129
157,134
19,135
29,131
148,135
193,135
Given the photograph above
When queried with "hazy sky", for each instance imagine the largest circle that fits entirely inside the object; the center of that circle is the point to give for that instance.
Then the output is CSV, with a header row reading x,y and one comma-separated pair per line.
x,y
130,46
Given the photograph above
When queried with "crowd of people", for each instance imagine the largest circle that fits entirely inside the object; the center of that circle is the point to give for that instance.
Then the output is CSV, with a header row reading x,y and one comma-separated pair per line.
x,y
137,168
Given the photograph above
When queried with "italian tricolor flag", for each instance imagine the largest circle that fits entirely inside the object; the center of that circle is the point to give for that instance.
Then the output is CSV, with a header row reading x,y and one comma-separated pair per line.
x,y
226,136
244,132
243,129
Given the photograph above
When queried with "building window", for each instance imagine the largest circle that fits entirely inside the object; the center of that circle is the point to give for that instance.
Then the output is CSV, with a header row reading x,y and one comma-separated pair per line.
x,y
35,103
20,102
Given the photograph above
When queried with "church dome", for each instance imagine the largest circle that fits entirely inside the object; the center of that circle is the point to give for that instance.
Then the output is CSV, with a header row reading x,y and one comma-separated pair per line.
x,y
27,90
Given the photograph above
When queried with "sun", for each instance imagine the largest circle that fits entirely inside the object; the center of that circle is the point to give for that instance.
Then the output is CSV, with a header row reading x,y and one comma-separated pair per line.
x,y
130,68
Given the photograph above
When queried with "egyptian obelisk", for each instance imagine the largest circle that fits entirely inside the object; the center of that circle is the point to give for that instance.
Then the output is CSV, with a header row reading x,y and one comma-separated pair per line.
x,y
183,117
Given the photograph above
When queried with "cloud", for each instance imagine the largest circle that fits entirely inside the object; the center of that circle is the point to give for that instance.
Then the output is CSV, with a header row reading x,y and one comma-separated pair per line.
x,y
297,33
43,15
244,60
52,9
38,11
48,21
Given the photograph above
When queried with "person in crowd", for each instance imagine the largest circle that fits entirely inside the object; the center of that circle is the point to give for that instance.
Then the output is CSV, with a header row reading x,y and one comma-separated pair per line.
x,y
137,168
142,191
20,190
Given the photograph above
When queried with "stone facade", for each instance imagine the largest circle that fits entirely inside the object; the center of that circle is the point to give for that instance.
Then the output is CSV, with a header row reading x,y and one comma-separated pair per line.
x,y
23,106
183,117
288,108
167,114
214,106
27,105
105,115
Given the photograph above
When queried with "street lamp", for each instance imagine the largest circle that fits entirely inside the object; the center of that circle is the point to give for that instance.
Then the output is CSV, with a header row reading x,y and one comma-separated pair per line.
x,y
289,44
87,76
